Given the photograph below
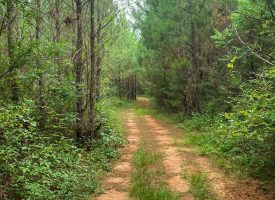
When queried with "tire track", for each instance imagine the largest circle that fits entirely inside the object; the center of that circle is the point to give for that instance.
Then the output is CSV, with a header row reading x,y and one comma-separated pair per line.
x,y
116,186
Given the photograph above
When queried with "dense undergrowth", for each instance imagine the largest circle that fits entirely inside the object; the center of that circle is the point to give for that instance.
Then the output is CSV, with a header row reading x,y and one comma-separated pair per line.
x,y
48,165
244,137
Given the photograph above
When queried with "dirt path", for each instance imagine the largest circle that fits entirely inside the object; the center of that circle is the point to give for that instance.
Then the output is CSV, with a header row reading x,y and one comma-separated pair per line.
x,y
177,158
172,160
116,186
180,157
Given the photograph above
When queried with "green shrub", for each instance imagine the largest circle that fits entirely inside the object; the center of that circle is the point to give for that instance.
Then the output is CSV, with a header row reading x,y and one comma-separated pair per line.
x,y
36,165
199,122
246,135
32,164
110,132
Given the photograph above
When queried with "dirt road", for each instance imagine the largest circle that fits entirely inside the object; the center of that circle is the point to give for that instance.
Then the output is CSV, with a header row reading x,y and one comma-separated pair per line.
x,y
179,162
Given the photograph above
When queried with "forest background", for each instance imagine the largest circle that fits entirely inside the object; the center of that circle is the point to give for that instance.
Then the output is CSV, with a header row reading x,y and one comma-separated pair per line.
x,y
65,63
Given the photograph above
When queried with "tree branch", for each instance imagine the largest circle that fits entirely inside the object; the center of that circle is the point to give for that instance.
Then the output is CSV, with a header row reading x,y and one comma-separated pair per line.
x,y
253,50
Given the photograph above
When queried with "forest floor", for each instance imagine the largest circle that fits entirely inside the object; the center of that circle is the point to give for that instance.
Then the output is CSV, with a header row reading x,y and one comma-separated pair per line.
x,y
177,169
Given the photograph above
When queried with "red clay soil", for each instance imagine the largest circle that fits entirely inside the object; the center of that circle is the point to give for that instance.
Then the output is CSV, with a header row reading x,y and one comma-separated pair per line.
x,y
181,156
176,158
172,160
116,185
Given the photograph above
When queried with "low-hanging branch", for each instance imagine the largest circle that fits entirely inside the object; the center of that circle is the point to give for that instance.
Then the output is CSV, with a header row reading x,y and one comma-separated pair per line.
x,y
253,50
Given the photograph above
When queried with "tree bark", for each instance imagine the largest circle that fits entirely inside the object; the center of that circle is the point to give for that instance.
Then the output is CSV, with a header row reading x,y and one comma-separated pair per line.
x,y
79,71
135,87
98,78
10,38
193,73
57,36
99,56
57,21
93,71
41,99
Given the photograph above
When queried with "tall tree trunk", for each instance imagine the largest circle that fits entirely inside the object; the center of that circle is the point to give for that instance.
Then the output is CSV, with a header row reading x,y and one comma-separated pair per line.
x,y
41,99
79,70
93,71
194,71
135,87
10,37
57,36
57,22
99,56
120,92
98,78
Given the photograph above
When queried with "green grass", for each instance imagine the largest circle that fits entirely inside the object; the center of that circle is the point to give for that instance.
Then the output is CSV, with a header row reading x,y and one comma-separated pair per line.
x,y
143,158
205,144
145,184
145,179
199,187
184,173
200,132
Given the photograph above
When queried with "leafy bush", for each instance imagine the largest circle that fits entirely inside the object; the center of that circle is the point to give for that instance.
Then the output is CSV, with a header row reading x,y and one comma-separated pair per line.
x,y
32,164
35,165
199,122
245,136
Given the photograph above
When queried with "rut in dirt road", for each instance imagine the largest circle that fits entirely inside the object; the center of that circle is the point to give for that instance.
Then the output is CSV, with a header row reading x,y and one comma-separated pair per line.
x,y
179,158
116,186
172,160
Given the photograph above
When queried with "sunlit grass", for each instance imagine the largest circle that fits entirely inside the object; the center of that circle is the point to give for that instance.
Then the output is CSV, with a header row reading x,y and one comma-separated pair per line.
x,y
145,183
143,158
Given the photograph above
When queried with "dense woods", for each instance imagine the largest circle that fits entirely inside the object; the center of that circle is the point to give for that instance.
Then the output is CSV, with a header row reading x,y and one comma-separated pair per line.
x,y
52,59
213,62
65,63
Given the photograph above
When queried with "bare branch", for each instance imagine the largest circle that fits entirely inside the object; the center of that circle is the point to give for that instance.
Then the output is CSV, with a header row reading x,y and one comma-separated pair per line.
x,y
253,50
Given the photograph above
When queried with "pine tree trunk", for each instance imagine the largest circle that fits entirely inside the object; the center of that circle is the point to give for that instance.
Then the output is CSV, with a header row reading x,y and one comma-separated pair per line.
x,y
135,87
194,71
41,99
57,22
79,70
93,71
10,38
57,36
99,57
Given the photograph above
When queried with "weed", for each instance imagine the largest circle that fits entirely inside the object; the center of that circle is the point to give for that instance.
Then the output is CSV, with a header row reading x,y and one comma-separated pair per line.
x,y
143,158
199,188
146,185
